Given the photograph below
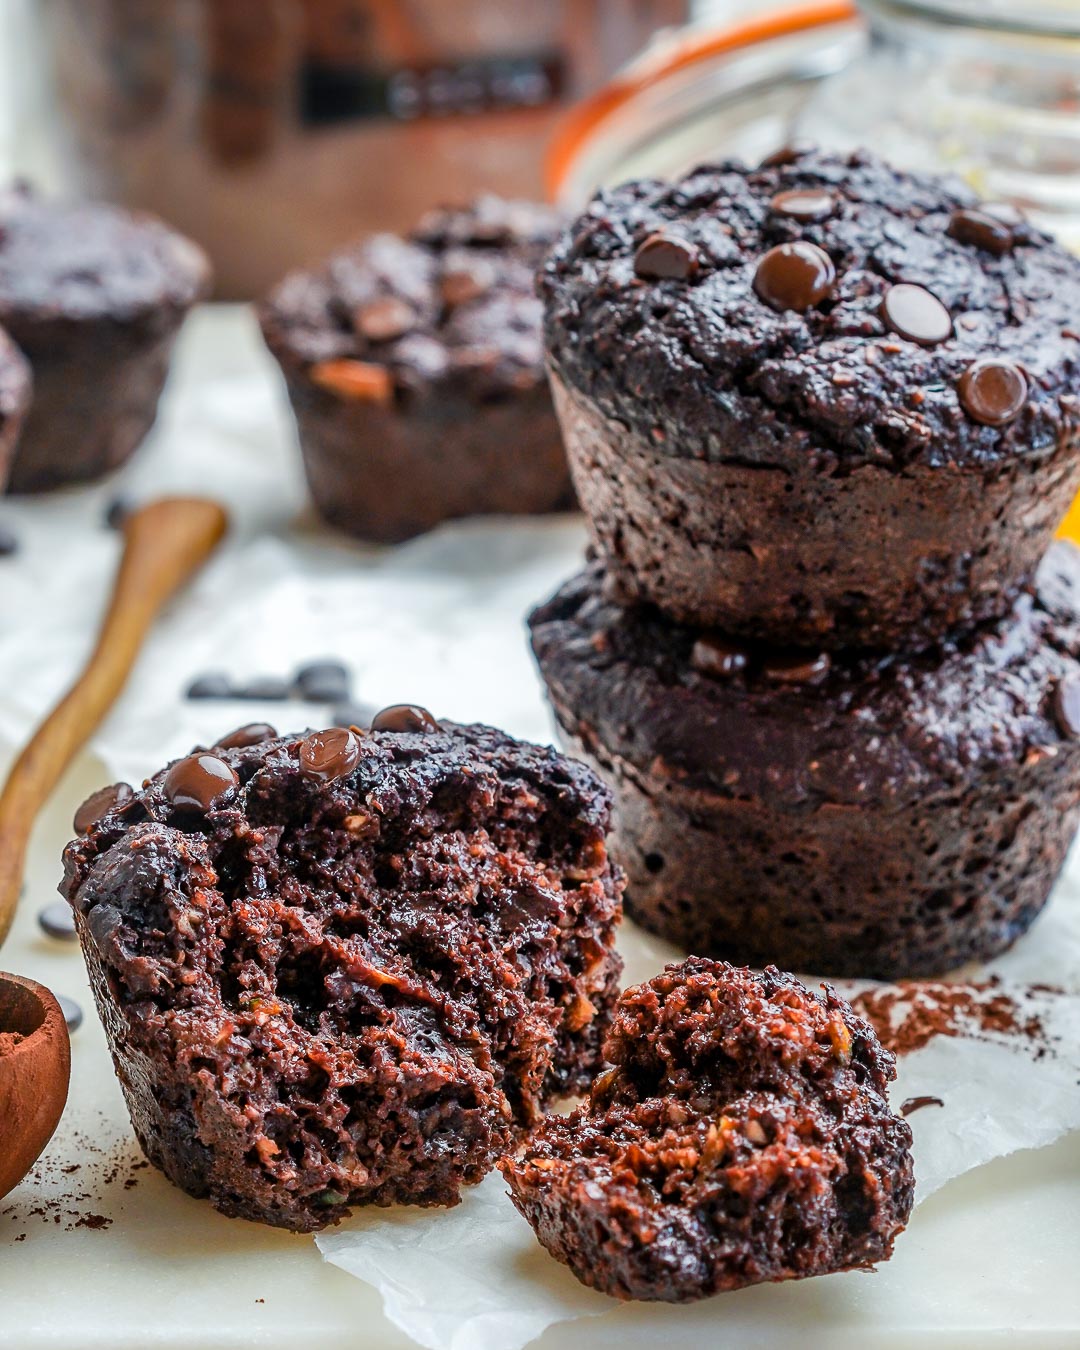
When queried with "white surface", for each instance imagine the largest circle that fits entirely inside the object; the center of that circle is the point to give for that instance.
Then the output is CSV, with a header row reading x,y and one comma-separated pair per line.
x,y
993,1253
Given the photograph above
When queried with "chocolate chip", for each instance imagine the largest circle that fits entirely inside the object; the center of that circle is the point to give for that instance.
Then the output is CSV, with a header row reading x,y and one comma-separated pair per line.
x,y
797,669
804,204
788,154
993,392
323,682
98,805
117,512
461,285
73,1014
982,230
328,755
253,733
199,782
661,257
213,684
404,717
794,276
1066,706
711,656
58,921
264,689
385,319
916,314
9,542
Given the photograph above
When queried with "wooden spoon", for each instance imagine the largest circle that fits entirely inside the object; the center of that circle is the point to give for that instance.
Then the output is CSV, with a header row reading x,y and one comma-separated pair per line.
x,y
165,544
35,1063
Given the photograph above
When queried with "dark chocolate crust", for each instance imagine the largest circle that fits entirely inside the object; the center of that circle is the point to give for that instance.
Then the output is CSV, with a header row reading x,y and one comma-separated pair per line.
x,y
741,1135
323,994
884,816
15,388
465,425
735,459
94,296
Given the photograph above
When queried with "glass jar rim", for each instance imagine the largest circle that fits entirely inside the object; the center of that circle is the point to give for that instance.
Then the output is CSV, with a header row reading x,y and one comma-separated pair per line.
x,y
1043,18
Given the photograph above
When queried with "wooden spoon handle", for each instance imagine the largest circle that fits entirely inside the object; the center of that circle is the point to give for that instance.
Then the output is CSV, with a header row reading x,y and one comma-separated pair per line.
x,y
165,544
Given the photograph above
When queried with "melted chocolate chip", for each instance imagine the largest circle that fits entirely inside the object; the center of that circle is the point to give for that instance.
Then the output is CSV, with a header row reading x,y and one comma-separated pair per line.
x,y
329,755
199,782
993,392
797,669
981,230
323,682
804,204
717,659
385,319
916,314
212,684
794,276
57,921
662,257
99,804
463,285
404,717
788,154
1066,707
253,733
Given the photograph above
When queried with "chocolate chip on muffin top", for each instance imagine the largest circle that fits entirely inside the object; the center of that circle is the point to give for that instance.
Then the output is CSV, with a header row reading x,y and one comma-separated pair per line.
x,y
829,294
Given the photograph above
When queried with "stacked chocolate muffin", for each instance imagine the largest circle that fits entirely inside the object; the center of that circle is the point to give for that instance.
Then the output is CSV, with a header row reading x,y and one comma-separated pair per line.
x,y
824,419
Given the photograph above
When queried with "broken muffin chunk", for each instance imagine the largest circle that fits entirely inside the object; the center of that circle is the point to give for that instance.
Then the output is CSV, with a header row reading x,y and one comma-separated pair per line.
x,y
741,1134
346,967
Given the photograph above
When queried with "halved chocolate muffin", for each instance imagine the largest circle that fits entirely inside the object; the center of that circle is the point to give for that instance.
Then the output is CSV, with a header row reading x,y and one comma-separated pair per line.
x,y
741,1134
15,387
347,967
94,296
866,815
415,368
816,402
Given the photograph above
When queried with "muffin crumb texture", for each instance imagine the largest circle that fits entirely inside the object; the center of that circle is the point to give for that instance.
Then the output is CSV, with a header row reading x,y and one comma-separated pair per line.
x,y
741,1134
347,968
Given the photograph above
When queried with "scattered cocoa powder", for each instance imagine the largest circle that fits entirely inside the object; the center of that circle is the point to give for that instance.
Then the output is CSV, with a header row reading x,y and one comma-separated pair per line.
x,y
912,1013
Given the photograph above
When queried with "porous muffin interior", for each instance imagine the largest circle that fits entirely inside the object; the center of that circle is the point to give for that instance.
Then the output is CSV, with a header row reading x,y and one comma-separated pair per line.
x,y
740,1134
352,991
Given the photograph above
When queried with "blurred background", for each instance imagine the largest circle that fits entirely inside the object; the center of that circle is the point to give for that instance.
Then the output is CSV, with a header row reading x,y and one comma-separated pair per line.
x,y
307,110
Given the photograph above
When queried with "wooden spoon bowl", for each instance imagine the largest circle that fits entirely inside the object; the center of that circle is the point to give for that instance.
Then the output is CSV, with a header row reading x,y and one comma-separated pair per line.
x,y
35,1065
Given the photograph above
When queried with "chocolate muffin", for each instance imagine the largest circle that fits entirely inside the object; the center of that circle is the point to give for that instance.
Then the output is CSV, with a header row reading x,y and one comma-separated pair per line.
x,y
741,1135
15,385
94,296
868,815
349,967
415,368
816,402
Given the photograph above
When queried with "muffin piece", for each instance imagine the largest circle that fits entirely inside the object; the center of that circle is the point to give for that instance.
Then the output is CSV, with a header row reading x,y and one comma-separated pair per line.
x,y
415,368
869,816
347,968
817,402
94,296
15,386
741,1135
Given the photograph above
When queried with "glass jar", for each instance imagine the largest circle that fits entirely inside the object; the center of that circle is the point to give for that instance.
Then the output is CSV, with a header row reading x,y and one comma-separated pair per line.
x,y
274,130
989,89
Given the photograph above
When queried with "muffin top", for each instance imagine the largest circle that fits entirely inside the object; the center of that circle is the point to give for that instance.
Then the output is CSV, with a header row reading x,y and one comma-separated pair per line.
x,y
452,305
88,260
801,729
867,315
